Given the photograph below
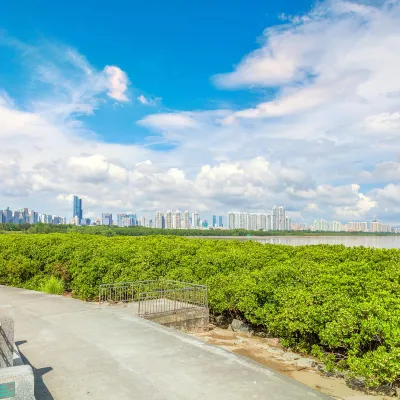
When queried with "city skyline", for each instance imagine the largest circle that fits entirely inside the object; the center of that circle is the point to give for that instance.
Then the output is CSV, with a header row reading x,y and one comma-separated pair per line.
x,y
273,111
275,220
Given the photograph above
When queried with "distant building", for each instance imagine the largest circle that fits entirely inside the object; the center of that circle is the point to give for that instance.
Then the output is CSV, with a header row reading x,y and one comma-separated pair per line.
x,y
33,217
159,220
176,221
220,223
186,220
77,208
288,224
195,220
214,221
168,220
106,219
8,216
17,217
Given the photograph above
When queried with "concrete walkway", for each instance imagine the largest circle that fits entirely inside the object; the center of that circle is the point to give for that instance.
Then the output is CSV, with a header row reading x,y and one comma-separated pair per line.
x,y
82,351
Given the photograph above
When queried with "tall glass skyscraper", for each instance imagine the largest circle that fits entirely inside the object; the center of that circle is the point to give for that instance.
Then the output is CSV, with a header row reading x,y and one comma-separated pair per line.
x,y
77,208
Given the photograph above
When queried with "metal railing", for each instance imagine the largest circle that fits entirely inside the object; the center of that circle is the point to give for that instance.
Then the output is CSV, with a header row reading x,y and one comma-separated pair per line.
x,y
155,297
167,301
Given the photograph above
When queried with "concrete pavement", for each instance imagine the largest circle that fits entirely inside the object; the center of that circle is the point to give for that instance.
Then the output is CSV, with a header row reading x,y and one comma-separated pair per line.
x,y
82,351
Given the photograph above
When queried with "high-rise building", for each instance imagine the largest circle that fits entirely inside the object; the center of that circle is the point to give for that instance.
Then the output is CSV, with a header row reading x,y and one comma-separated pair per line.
x,y
125,220
320,225
77,208
248,222
195,220
288,224
275,218
214,221
33,217
159,220
106,219
8,216
176,220
335,226
269,222
143,221
186,222
17,217
281,218
231,220
168,220
25,216
220,223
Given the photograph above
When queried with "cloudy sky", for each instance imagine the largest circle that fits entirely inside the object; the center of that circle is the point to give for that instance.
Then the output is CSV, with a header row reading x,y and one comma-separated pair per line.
x,y
224,107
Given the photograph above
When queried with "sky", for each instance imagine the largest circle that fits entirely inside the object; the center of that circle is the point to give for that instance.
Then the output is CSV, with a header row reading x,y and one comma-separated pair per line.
x,y
211,107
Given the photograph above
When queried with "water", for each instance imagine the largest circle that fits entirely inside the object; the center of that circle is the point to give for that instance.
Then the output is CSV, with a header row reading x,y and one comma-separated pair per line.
x,y
382,242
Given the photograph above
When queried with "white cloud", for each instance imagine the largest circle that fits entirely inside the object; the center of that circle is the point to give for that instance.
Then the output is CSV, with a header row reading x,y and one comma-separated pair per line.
x,y
387,171
168,121
383,122
117,82
331,126
147,101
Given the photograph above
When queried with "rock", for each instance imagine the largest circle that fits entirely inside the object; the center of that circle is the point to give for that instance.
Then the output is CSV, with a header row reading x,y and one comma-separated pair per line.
x,y
306,363
289,356
240,340
240,326
274,350
221,321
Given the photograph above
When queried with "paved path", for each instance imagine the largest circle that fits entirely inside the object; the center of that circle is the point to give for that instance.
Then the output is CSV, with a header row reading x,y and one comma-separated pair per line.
x,y
82,351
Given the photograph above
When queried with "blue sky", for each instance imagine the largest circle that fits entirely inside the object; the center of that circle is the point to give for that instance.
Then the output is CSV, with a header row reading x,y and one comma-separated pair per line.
x,y
210,107
168,50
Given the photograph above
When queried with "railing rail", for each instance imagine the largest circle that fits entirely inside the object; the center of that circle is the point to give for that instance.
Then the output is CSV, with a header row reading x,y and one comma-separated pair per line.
x,y
155,297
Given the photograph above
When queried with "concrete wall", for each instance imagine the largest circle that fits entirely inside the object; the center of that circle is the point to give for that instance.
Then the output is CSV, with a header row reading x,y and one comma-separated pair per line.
x,y
6,336
190,320
16,379
17,382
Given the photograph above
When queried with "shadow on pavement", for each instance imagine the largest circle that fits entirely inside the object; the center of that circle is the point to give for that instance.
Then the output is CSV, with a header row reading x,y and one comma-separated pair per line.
x,y
41,391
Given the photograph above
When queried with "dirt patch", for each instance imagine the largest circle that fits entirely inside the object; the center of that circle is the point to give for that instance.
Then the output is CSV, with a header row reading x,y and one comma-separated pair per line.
x,y
268,352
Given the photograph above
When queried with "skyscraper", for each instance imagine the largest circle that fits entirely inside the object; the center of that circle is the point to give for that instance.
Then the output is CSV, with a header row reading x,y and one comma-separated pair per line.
x,y
8,216
186,223
195,220
214,221
77,208
231,220
275,218
288,224
33,217
176,221
168,219
17,217
281,218
159,221
220,223
106,219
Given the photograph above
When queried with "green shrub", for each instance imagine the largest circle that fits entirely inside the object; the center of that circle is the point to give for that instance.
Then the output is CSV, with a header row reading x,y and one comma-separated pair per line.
x,y
341,304
52,285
